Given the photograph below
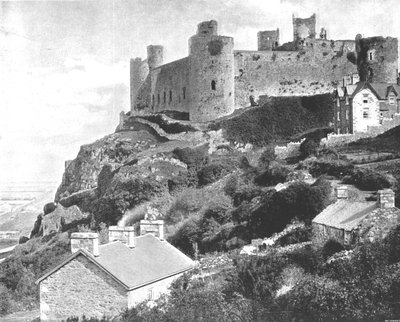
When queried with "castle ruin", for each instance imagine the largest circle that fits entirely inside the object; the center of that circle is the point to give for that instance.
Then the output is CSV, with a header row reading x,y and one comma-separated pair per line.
x,y
215,79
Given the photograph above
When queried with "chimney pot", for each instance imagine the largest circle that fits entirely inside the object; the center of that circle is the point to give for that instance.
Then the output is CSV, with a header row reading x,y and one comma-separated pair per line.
x,y
125,235
386,198
155,227
342,192
87,241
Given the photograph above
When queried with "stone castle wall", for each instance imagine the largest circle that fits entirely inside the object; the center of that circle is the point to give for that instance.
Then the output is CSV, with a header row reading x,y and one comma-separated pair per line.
x,y
314,70
66,293
170,86
377,58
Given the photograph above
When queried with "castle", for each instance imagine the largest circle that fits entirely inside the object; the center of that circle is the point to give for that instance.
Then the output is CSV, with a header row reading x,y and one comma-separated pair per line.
x,y
215,79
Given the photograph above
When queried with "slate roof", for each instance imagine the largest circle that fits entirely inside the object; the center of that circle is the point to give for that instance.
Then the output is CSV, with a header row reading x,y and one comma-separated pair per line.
x,y
150,260
345,214
381,90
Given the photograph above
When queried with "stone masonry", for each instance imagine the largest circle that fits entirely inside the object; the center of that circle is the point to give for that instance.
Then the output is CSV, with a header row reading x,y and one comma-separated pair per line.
x,y
63,294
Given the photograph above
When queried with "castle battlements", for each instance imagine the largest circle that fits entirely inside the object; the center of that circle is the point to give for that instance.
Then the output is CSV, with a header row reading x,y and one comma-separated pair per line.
x,y
215,78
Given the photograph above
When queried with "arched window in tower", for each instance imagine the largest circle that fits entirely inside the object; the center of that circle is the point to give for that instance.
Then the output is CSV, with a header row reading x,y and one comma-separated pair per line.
x,y
370,56
158,98
152,101
170,96
213,85
165,97
184,92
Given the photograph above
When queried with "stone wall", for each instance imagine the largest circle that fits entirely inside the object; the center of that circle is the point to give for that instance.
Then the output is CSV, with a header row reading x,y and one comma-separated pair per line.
x,y
303,28
291,150
268,39
377,59
150,292
170,86
322,233
333,140
315,70
66,293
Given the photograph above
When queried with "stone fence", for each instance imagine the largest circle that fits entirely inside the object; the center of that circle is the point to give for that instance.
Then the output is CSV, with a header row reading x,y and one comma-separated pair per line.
x,y
333,140
290,150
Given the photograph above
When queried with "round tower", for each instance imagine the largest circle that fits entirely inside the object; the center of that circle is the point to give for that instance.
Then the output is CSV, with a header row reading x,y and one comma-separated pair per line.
x,y
211,75
155,56
138,73
377,59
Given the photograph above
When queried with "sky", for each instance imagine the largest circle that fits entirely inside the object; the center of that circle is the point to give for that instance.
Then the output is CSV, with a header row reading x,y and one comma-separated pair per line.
x,y
64,65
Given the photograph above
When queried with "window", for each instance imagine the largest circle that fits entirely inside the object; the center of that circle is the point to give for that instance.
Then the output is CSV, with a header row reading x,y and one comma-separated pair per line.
x,y
365,101
347,114
338,116
347,100
184,92
213,85
165,97
158,98
150,294
391,100
338,102
170,96
370,56
152,101
366,113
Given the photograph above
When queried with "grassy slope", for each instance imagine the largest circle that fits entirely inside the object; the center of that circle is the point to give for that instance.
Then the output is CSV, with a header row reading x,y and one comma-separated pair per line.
x,y
278,119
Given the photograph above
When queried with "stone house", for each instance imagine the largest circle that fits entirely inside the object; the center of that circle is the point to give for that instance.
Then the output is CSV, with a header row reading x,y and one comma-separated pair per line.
x,y
360,106
350,222
104,280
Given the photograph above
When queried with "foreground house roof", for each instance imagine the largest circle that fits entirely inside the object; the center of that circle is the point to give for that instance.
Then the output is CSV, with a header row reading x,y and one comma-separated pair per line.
x,y
380,90
150,260
345,214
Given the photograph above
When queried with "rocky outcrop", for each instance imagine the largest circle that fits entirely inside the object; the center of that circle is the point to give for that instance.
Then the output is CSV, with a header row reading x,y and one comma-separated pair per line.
x,y
115,149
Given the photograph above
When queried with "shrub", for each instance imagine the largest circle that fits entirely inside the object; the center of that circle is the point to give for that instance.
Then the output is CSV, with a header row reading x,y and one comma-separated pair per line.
x,y
336,168
331,247
309,147
272,176
266,157
366,179
212,172
195,160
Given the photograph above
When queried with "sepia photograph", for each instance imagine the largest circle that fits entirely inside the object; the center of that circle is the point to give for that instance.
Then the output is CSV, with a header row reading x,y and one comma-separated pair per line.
x,y
199,160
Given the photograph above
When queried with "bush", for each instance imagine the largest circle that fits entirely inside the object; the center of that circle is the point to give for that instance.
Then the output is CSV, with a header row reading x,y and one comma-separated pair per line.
x,y
331,247
336,168
195,160
272,176
266,157
309,147
366,179
212,172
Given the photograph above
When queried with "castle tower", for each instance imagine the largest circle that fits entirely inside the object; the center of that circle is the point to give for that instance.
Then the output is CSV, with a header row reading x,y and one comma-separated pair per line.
x,y
377,59
138,72
211,74
268,39
155,56
303,28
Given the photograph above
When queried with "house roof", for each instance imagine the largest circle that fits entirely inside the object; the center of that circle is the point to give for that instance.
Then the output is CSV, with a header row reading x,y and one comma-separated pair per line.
x,y
345,214
380,90
150,260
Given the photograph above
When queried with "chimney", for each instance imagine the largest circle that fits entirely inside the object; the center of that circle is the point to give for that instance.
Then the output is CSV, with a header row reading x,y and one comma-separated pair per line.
x,y
86,241
341,192
155,227
386,198
125,235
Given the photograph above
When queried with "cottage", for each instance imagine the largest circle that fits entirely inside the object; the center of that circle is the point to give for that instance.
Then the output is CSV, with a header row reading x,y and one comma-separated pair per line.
x,y
350,222
104,280
359,105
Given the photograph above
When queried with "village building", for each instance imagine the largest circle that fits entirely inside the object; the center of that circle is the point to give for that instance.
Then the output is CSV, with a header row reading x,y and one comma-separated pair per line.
x,y
358,106
351,222
104,280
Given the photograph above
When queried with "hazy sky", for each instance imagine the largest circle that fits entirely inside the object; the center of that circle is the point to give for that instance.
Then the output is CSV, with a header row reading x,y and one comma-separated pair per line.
x,y
64,65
